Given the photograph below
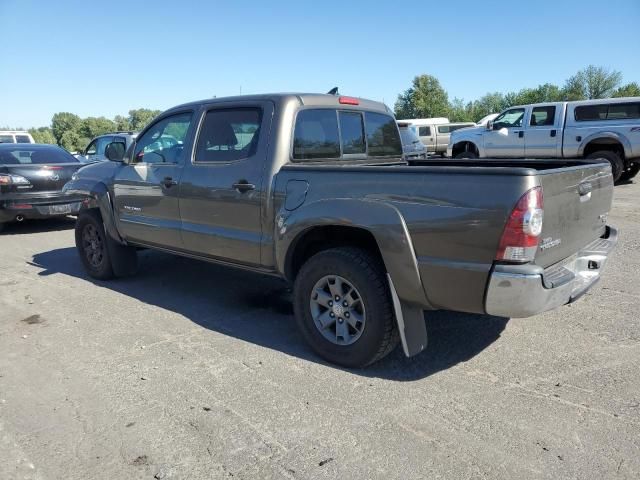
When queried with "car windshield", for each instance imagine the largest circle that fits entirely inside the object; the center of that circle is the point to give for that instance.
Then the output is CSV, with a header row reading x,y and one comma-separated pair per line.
x,y
21,154
408,136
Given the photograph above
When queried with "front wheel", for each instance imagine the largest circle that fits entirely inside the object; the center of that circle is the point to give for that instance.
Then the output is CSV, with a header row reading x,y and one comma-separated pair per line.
x,y
343,307
467,154
617,165
631,171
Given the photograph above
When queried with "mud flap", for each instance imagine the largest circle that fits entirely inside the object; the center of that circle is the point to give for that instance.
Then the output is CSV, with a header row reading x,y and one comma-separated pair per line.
x,y
411,324
124,259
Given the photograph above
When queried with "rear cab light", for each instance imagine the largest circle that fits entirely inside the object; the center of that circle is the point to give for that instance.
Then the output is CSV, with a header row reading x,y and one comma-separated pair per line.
x,y
521,234
348,101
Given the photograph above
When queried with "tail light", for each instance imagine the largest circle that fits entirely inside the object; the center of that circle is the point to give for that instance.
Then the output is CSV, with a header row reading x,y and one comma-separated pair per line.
x,y
348,101
519,241
13,180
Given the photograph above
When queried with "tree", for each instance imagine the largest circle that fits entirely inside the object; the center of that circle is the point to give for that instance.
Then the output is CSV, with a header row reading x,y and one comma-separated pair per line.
x,y
459,112
42,135
629,90
64,122
71,141
94,126
592,82
425,98
139,118
122,123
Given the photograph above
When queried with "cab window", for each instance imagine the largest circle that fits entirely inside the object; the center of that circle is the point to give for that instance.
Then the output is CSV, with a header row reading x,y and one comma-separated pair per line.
x,y
229,134
543,116
164,141
383,138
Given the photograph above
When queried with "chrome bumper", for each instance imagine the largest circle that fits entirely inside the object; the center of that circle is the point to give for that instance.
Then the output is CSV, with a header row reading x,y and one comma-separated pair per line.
x,y
516,295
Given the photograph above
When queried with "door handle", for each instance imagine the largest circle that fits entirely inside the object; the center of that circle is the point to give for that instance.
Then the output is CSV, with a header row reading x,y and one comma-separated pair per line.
x,y
520,134
168,182
553,133
243,186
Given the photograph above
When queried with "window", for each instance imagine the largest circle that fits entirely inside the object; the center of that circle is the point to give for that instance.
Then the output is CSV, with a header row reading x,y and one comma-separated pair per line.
x,y
163,142
424,131
612,111
509,119
543,116
229,134
98,146
6,139
40,155
352,133
382,135
316,135
23,139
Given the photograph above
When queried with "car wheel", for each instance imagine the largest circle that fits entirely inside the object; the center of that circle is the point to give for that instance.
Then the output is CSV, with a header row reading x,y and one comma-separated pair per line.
x,y
343,307
617,165
467,154
630,172
91,242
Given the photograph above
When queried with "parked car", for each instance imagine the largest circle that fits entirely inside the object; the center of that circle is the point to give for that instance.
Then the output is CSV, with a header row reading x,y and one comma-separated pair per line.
x,y
412,147
31,181
607,130
439,135
15,136
486,119
318,193
95,150
425,129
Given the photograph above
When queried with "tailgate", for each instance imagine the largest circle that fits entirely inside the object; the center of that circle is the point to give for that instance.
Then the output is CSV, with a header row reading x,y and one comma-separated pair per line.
x,y
42,178
577,201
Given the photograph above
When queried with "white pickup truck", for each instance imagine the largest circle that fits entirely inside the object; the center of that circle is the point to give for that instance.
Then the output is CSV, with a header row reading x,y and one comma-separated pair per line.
x,y
596,129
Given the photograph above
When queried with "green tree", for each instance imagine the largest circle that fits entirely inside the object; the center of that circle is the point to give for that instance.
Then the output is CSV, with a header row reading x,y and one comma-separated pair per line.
x,y
122,123
629,90
490,103
64,122
425,98
94,126
592,82
42,135
542,93
459,112
71,141
139,118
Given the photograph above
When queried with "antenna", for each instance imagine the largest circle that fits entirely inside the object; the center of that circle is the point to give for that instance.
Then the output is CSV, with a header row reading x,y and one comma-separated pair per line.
x,y
333,91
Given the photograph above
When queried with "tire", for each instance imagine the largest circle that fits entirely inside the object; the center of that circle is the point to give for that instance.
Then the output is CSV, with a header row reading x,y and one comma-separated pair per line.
x,y
630,172
102,257
467,154
617,165
377,335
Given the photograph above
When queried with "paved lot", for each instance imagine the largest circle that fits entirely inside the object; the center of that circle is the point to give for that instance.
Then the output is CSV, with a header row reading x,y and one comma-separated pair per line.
x,y
206,377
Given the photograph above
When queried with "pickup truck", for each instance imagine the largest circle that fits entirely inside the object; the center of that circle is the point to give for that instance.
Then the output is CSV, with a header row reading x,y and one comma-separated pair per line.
x,y
603,130
314,189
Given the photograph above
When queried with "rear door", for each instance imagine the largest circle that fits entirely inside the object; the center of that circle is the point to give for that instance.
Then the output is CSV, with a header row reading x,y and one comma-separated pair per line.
x,y
146,190
221,191
577,201
542,135
507,137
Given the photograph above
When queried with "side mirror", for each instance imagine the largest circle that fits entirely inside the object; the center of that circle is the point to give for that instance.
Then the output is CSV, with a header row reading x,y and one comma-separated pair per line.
x,y
490,125
115,151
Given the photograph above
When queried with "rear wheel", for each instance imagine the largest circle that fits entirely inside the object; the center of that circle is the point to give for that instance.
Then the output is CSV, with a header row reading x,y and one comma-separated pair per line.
x,y
617,165
467,154
630,172
343,307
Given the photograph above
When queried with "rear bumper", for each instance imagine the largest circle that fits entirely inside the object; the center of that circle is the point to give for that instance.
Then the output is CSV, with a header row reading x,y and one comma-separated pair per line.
x,y
37,206
516,294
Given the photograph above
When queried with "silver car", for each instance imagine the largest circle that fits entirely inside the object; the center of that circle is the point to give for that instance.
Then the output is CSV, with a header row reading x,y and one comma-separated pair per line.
x,y
412,147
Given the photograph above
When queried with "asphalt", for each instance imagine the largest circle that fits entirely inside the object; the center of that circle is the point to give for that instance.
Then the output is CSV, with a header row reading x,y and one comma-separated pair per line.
x,y
190,370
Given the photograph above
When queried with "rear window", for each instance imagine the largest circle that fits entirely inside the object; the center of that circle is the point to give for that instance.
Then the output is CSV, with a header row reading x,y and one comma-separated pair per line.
x,y
352,132
6,138
451,128
408,136
383,138
424,131
316,135
611,111
35,156
22,139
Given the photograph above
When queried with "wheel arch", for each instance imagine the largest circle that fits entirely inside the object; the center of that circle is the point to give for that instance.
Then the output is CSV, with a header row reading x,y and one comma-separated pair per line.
x,y
605,141
464,146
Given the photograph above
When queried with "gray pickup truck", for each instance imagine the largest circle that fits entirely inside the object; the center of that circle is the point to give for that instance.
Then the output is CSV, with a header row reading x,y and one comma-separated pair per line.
x,y
314,189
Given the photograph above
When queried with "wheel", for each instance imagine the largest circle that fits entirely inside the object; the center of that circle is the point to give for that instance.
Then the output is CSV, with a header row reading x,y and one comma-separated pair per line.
x,y
467,154
617,165
101,256
630,172
91,243
343,307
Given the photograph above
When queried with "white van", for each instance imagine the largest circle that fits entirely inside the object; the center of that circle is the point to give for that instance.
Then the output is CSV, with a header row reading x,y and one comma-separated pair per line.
x,y
15,136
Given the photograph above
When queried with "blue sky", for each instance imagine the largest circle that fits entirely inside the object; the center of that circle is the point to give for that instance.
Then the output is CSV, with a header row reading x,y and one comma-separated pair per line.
x,y
105,58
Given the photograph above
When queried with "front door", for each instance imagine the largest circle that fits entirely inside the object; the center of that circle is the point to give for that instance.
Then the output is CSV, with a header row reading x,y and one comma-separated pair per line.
x,y
506,139
222,190
146,189
427,136
542,139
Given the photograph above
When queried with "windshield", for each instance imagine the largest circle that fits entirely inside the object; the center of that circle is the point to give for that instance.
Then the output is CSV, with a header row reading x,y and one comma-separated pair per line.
x,y
21,154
